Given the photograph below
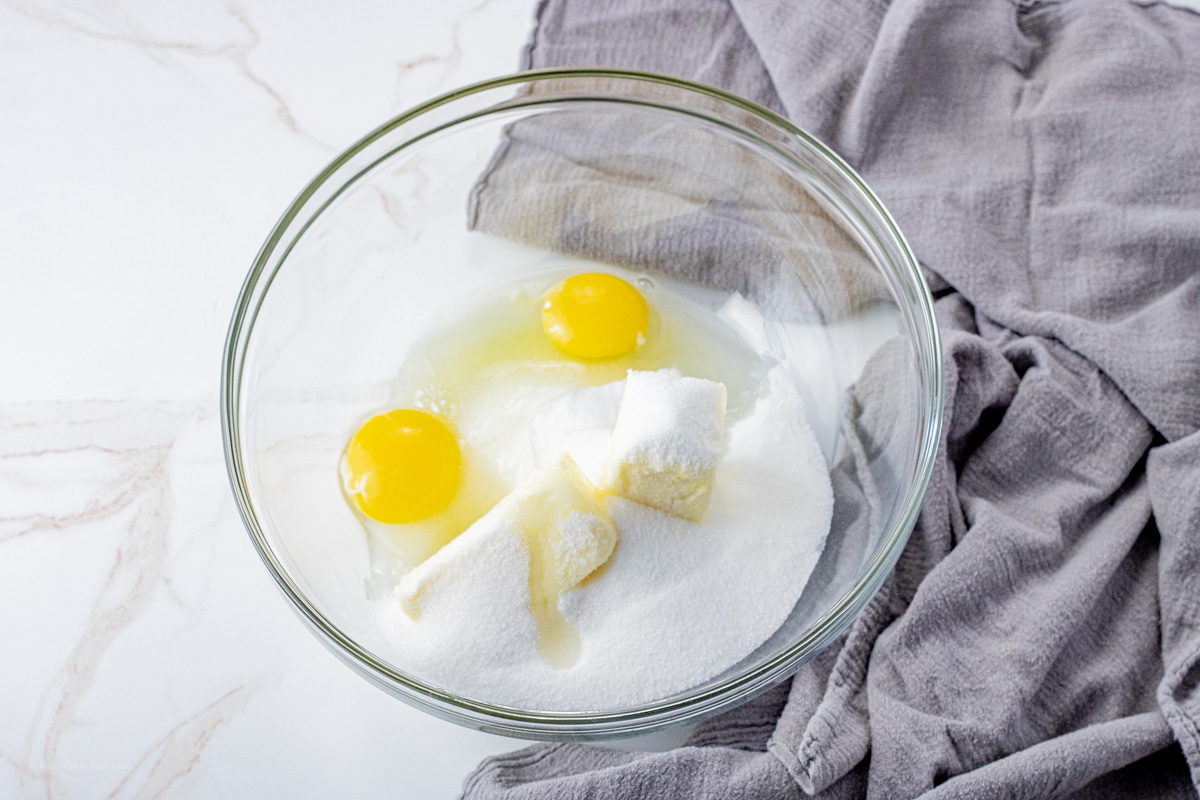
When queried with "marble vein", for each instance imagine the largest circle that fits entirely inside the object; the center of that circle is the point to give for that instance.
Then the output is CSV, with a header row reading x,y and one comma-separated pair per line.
x,y
148,652
177,753
118,27
449,61
134,492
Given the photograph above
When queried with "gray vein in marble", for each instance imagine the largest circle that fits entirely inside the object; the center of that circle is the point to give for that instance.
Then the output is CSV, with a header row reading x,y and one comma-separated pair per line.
x,y
120,28
135,484
128,483
393,211
178,752
395,200
240,55
449,61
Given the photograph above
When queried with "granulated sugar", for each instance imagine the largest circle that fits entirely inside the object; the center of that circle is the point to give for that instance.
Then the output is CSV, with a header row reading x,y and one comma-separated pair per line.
x,y
677,604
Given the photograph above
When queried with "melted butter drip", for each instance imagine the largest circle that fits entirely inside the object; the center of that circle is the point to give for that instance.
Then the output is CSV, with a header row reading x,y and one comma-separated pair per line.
x,y
558,641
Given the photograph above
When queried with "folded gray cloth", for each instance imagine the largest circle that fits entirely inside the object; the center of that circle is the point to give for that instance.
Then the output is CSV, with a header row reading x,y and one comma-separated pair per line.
x,y
600,186
1040,636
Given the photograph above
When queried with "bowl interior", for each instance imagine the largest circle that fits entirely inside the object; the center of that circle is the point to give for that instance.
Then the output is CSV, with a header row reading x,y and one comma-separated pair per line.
x,y
570,170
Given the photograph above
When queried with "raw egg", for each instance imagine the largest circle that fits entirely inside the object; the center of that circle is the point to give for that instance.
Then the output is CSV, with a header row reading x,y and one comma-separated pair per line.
x,y
402,466
595,315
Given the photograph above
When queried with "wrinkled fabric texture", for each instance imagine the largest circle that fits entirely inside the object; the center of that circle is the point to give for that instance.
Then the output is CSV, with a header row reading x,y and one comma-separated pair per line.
x,y
707,210
1040,636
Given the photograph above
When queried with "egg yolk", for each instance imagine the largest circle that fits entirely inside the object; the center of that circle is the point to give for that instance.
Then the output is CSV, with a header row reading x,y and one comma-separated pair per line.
x,y
595,315
402,466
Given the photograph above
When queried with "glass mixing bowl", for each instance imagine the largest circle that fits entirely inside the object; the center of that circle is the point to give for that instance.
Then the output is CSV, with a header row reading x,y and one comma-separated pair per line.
x,y
534,172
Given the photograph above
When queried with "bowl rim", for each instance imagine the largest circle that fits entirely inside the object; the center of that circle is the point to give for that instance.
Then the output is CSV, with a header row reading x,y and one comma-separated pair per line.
x,y
687,706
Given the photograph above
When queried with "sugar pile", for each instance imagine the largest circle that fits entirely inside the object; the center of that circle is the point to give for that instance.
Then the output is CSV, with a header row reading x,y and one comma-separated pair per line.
x,y
678,603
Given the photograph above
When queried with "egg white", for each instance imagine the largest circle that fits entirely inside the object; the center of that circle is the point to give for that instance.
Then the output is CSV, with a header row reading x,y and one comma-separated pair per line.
x,y
516,402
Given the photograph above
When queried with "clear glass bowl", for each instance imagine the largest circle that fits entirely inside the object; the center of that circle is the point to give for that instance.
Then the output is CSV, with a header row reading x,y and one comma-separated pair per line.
x,y
509,177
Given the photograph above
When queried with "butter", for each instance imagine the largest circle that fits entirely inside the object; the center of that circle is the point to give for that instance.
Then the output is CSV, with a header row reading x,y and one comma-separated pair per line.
x,y
565,532
667,442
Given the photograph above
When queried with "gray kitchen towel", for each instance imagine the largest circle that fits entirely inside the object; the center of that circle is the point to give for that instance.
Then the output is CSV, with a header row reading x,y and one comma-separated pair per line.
x,y
1040,636
663,196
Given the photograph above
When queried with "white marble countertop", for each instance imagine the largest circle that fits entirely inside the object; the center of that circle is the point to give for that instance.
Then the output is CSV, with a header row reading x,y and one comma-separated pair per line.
x,y
147,149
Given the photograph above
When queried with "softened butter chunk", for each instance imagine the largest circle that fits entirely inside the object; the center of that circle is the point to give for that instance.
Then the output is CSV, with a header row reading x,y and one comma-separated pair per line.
x,y
566,534
667,442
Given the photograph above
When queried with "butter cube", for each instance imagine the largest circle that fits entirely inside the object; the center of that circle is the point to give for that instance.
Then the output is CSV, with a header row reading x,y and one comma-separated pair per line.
x,y
564,531
667,442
